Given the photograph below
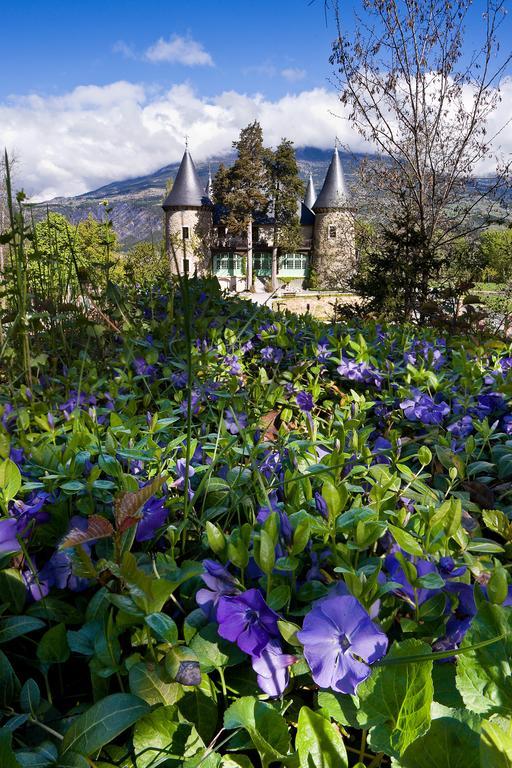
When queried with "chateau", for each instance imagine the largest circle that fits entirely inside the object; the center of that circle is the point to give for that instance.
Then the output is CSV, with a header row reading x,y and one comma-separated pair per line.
x,y
197,242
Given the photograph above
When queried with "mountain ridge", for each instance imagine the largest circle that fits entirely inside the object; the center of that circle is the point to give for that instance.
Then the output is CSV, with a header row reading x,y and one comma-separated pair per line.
x,y
135,203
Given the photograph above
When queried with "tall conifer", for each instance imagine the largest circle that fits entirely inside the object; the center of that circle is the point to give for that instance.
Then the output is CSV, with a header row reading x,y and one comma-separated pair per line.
x,y
285,188
241,189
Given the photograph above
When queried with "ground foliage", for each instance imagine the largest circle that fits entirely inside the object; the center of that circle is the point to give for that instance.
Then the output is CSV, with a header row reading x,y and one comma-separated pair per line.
x,y
190,508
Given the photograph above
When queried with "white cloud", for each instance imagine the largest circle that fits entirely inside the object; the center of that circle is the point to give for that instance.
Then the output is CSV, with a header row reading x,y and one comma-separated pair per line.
x,y
124,49
92,135
179,50
293,74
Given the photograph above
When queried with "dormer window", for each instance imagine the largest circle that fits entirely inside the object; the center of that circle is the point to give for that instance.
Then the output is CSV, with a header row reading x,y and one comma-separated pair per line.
x,y
185,233
221,231
332,233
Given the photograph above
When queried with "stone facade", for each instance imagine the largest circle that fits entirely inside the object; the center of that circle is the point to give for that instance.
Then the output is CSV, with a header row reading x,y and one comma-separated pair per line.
x,y
334,248
188,236
197,241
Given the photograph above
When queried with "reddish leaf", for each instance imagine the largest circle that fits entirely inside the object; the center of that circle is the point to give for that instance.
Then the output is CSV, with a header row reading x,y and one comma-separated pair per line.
x,y
267,422
97,528
127,506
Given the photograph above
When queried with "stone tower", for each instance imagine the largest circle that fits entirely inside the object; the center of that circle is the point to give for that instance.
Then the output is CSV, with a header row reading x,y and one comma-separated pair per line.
x,y
188,222
334,251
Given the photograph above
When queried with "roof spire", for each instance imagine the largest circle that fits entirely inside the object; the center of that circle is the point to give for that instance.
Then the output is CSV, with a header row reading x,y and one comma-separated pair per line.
x,y
187,191
209,185
334,191
310,197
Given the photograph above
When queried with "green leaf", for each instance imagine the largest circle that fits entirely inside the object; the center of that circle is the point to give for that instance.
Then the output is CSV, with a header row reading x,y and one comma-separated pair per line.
x,y
160,735
213,651
9,683
199,707
447,518
53,647
266,727
341,708
16,626
102,723
13,589
449,743
279,596
163,627
483,674
318,742
216,539
405,541
289,631
30,696
149,682
265,555
148,593
301,536
7,756
495,746
10,479
398,699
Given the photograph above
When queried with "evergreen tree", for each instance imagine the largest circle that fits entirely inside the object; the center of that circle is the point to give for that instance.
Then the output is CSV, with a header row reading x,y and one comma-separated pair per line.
x,y
242,188
285,187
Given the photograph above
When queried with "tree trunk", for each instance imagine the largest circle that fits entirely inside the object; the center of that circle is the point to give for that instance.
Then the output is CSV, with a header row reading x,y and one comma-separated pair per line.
x,y
250,279
274,268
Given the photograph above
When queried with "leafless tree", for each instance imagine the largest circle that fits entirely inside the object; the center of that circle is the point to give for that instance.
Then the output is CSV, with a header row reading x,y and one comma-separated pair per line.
x,y
423,99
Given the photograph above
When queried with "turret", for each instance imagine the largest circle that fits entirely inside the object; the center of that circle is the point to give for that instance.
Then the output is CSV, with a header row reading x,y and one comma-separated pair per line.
x,y
334,238
188,222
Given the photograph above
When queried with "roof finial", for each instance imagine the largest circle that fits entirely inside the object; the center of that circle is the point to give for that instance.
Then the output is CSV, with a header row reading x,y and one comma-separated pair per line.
x,y
186,143
337,143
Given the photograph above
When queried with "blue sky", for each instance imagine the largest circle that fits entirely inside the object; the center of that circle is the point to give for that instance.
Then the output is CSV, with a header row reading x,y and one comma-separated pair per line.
x,y
93,92
66,44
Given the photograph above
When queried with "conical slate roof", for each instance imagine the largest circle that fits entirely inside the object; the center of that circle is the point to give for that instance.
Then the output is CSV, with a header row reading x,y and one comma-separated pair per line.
x,y
309,199
187,190
334,191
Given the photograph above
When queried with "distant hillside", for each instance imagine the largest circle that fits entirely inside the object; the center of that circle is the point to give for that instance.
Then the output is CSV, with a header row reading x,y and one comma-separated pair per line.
x,y
136,204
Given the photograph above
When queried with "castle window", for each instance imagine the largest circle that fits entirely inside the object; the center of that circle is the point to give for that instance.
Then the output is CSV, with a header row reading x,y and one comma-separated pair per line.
x,y
227,264
332,233
185,233
293,264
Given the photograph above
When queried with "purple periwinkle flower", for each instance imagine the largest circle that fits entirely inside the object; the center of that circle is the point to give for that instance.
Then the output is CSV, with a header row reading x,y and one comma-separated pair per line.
x,y
195,400
232,364
341,641
154,517
323,353
413,595
321,504
362,373
181,471
8,533
235,421
272,355
284,521
179,379
490,404
142,368
247,620
30,511
448,569
421,407
462,428
305,401
271,667
219,583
